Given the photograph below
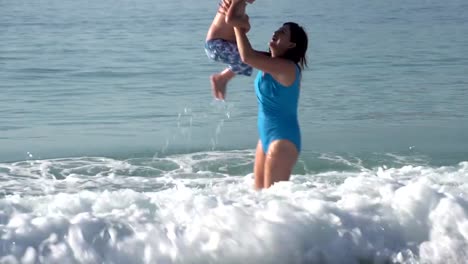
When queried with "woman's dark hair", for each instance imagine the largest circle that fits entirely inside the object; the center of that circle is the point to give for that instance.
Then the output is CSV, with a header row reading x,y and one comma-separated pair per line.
x,y
299,37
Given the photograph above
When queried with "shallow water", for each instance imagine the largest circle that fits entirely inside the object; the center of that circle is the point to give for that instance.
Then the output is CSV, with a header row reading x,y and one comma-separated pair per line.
x,y
201,208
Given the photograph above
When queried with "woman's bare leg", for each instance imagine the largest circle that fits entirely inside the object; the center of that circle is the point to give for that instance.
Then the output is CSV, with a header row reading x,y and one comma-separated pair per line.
x,y
279,162
259,166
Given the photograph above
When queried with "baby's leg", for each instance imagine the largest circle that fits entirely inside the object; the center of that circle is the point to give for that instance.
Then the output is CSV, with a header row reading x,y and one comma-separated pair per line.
x,y
219,83
227,53
236,10
240,9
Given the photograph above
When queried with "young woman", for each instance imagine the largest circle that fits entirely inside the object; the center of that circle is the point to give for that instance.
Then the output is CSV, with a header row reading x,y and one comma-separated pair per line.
x,y
277,87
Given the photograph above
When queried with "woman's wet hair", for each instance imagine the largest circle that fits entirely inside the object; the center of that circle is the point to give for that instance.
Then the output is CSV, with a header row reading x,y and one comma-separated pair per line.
x,y
299,37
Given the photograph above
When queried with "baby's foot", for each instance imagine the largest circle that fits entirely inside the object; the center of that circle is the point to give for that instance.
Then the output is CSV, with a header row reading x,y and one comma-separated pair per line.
x,y
218,85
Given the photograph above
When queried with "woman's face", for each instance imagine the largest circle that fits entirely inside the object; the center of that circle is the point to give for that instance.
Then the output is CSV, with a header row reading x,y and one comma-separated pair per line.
x,y
280,42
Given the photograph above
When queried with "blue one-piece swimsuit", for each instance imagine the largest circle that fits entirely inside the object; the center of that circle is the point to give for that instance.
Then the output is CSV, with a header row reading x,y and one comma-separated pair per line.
x,y
277,110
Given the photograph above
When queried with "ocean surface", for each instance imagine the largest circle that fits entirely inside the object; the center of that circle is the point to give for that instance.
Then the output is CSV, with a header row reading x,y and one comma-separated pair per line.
x,y
113,150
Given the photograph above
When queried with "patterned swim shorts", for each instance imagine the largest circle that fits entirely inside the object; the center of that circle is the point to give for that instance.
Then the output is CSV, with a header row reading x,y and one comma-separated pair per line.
x,y
226,52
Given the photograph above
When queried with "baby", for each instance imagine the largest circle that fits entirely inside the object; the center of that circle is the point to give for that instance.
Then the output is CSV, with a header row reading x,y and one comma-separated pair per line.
x,y
221,45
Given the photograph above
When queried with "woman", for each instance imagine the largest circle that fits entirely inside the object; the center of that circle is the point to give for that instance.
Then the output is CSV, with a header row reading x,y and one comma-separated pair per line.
x,y
277,88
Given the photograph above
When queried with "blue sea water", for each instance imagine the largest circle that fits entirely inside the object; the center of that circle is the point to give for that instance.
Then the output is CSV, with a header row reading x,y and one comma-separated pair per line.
x,y
112,149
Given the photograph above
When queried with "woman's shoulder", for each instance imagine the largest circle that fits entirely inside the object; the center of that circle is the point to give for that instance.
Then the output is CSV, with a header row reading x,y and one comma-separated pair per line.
x,y
294,77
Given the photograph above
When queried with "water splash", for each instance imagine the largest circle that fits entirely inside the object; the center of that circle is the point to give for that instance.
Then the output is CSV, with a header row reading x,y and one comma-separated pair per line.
x,y
193,208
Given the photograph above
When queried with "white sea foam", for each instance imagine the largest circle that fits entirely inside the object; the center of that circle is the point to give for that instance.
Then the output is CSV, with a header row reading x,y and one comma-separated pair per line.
x,y
104,211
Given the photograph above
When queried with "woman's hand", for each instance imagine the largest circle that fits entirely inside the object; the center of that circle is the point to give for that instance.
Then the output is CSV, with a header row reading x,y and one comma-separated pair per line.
x,y
236,16
224,6
240,22
240,1
244,23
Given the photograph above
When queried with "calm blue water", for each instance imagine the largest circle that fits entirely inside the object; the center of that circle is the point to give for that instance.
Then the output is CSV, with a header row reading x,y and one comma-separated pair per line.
x,y
114,96
86,78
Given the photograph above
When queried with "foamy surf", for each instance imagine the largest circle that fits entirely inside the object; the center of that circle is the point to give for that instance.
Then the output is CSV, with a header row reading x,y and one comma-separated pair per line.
x,y
201,208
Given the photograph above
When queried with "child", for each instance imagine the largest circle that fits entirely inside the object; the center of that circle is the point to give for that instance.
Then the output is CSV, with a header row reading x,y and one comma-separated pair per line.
x,y
221,45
